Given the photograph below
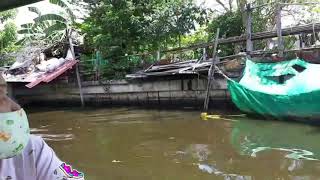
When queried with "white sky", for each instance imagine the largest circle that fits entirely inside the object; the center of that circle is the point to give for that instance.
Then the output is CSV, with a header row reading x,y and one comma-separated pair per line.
x,y
25,16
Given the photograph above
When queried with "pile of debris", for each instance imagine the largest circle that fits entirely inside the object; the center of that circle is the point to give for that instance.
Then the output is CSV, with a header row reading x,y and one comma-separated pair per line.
x,y
231,67
33,61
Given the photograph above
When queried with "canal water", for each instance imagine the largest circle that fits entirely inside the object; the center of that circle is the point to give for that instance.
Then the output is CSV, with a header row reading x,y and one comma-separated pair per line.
x,y
133,144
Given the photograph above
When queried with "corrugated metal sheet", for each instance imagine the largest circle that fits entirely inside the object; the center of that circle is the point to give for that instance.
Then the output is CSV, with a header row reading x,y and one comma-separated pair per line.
x,y
51,76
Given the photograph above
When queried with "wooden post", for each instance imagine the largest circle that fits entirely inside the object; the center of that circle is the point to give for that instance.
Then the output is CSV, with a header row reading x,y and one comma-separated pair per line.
x,y
279,30
211,72
204,56
77,68
249,29
158,55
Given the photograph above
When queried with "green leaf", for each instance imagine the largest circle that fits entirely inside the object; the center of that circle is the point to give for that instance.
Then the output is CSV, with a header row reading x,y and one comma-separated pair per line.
x,y
55,27
25,31
50,17
65,6
21,41
27,25
35,10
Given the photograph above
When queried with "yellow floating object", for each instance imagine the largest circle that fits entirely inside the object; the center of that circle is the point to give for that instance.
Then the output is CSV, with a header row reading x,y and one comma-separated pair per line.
x,y
205,116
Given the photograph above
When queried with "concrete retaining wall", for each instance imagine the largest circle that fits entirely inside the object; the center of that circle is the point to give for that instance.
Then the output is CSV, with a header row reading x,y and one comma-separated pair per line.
x,y
177,93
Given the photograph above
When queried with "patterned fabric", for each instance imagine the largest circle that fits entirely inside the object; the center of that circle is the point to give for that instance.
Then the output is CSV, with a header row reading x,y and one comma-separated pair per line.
x,y
14,133
66,172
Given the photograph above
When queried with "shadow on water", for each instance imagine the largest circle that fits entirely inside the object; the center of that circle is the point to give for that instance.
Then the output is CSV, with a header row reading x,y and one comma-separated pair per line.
x,y
138,144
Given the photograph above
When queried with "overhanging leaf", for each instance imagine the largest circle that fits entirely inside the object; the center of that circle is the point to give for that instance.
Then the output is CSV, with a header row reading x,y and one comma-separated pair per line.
x,y
55,27
50,17
25,31
27,25
35,10
65,6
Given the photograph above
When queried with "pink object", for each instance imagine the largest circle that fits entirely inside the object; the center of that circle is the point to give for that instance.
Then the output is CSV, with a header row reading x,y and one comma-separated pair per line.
x,y
71,172
51,76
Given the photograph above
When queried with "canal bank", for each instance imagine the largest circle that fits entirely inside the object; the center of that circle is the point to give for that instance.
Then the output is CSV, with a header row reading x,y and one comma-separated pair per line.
x,y
178,92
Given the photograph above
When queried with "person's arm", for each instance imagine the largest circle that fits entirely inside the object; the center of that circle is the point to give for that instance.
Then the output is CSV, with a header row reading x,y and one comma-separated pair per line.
x,y
50,167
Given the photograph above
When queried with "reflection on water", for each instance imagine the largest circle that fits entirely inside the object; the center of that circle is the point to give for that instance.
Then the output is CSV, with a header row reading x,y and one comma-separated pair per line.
x,y
295,140
137,144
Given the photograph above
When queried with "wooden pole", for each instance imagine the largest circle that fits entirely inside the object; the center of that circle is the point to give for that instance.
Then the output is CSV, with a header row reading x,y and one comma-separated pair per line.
x,y
158,55
279,30
77,68
204,56
211,72
249,29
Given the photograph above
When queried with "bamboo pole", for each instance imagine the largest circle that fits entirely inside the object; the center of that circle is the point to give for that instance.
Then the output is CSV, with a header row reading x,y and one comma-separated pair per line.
x,y
309,28
249,29
279,30
158,55
211,72
77,69
204,54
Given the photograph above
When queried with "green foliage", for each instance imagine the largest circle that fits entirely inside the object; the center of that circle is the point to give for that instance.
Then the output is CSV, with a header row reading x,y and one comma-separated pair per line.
x,y
6,15
230,24
8,36
121,27
64,4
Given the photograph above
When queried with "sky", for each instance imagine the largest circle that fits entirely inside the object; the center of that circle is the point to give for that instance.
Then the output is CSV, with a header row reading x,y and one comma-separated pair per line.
x,y
25,16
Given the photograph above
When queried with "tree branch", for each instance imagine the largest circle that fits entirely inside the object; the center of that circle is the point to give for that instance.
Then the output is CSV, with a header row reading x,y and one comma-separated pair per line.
x,y
230,4
224,7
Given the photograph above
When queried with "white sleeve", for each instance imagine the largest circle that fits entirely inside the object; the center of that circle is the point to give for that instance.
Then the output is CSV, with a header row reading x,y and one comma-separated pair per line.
x,y
50,167
46,160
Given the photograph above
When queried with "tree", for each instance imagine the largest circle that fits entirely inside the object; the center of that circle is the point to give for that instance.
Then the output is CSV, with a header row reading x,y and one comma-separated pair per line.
x,y
126,27
8,34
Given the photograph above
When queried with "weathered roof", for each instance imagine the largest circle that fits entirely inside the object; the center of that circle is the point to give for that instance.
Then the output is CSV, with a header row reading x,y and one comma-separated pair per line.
x,y
10,4
48,77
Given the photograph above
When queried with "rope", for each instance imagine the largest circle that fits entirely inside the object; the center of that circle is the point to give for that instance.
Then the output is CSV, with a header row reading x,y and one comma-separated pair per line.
x,y
220,72
314,34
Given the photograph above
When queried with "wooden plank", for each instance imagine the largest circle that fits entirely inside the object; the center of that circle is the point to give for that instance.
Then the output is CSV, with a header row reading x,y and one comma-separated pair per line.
x,y
211,72
77,68
279,30
249,29
308,28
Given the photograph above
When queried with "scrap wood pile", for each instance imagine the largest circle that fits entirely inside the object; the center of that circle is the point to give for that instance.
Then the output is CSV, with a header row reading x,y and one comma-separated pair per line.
x,y
36,60
229,67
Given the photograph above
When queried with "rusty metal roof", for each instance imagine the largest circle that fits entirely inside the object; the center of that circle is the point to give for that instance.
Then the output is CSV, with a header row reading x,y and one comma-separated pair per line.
x,y
10,4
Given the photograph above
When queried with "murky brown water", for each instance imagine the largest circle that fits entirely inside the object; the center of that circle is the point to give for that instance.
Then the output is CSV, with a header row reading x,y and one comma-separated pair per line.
x,y
176,145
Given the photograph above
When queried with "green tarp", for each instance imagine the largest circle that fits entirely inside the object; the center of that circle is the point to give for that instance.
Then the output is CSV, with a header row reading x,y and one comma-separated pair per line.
x,y
282,89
